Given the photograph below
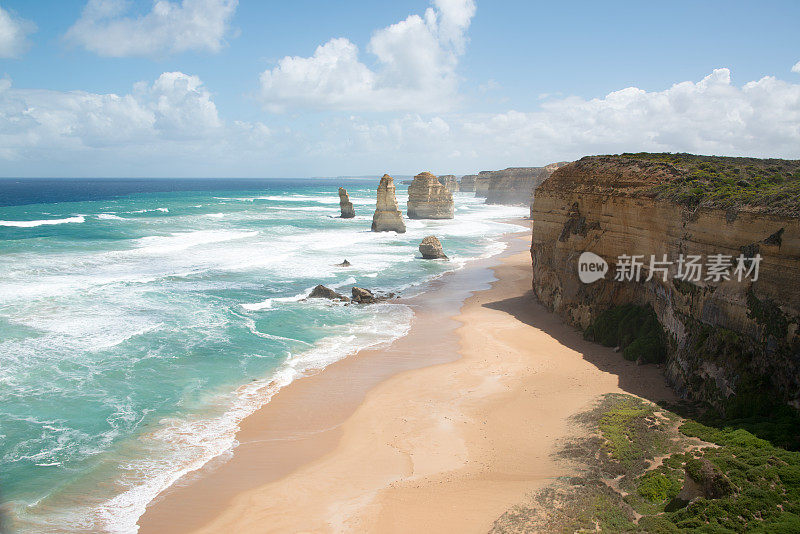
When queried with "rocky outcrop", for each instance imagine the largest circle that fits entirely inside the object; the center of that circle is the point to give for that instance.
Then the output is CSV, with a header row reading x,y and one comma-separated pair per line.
x,y
450,182
431,249
729,342
387,217
467,183
363,296
429,199
323,292
345,263
345,205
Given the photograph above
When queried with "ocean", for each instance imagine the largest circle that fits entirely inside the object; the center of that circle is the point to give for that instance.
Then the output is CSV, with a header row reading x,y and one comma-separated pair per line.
x,y
142,320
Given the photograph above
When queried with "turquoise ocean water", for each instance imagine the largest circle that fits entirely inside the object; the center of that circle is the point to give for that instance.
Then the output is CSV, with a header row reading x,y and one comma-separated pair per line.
x,y
138,327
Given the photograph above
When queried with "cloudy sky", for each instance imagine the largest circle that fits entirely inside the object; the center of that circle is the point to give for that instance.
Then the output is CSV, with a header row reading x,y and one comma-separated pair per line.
x,y
319,88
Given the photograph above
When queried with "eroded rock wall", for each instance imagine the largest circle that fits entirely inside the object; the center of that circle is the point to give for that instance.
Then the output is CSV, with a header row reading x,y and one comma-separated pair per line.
x,y
387,217
728,340
429,199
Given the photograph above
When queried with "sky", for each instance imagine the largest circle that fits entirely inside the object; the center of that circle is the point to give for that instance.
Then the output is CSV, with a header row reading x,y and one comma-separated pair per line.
x,y
227,88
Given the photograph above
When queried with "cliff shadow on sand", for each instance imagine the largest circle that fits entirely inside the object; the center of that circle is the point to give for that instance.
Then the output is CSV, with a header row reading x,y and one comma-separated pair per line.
x,y
528,310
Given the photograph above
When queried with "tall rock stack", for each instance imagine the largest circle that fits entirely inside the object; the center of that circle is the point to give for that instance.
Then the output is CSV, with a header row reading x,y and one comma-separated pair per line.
x,y
387,216
429,199
450,182
345,205
467,184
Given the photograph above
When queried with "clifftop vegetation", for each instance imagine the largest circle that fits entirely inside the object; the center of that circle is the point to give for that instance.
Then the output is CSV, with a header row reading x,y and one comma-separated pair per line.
x,y
767,185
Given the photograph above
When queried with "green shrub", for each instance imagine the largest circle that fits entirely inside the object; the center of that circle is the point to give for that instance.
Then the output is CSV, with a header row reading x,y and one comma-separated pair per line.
x,y
633,328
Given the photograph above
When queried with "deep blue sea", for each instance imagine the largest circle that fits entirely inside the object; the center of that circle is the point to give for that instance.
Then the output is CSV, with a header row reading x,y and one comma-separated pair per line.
x,y
141,320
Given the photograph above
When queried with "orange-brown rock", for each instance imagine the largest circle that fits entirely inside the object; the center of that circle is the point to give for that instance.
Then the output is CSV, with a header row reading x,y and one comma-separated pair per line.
x,y
387,217
727,339
345,206
429,199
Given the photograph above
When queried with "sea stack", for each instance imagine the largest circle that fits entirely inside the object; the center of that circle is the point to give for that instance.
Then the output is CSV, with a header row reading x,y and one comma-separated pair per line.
x,y
431,249
450,182
387,216
429,199
345,205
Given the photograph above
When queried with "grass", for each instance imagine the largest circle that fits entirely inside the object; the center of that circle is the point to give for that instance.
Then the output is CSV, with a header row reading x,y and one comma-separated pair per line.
x,y
733,480
772,185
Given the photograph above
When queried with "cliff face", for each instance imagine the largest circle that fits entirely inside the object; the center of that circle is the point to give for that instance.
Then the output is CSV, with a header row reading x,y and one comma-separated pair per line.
x,y
346,207
482,182
516,185
450,182
429,199
728,340
387,217
467,184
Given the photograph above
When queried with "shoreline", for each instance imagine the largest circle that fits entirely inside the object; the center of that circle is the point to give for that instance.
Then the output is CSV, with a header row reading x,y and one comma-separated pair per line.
x,y
375,442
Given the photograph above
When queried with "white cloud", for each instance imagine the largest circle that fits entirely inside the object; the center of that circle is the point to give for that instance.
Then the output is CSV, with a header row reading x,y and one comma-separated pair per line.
x,y
712,116
13,34
796,67
170,27
171,127
416,62
174,116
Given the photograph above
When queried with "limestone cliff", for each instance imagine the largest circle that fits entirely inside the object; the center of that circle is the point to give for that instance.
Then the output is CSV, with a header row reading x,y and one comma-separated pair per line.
x,y
467,183
387,217
450,182
429,199
345,205
515,185
482,182
727,340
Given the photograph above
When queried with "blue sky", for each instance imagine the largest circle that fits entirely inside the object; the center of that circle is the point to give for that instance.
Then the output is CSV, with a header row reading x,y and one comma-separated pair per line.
x,y
448,85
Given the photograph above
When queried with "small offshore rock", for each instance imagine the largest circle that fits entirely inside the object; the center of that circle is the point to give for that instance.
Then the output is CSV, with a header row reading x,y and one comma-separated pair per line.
x,y
345,205
322,292
345,263
363,296
431,249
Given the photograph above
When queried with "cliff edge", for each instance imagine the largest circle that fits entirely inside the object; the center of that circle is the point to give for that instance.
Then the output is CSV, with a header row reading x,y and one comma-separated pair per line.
x,y
730,335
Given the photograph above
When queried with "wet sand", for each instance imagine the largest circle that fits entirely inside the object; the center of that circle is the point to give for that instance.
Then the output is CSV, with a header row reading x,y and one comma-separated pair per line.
x,y
442,431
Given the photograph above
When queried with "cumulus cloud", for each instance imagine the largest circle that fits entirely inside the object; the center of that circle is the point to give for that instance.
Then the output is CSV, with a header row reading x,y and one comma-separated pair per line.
x,y
796,67
174,115
711,116
171,126
415,67
13,34
169,27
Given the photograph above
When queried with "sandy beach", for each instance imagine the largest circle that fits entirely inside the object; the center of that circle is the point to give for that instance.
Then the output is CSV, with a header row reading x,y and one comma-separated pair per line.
x,y
442,431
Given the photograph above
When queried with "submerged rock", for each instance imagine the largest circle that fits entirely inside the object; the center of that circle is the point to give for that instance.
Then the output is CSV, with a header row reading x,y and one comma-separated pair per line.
x,y
387,217
431,249
322,292
429,199
345,205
